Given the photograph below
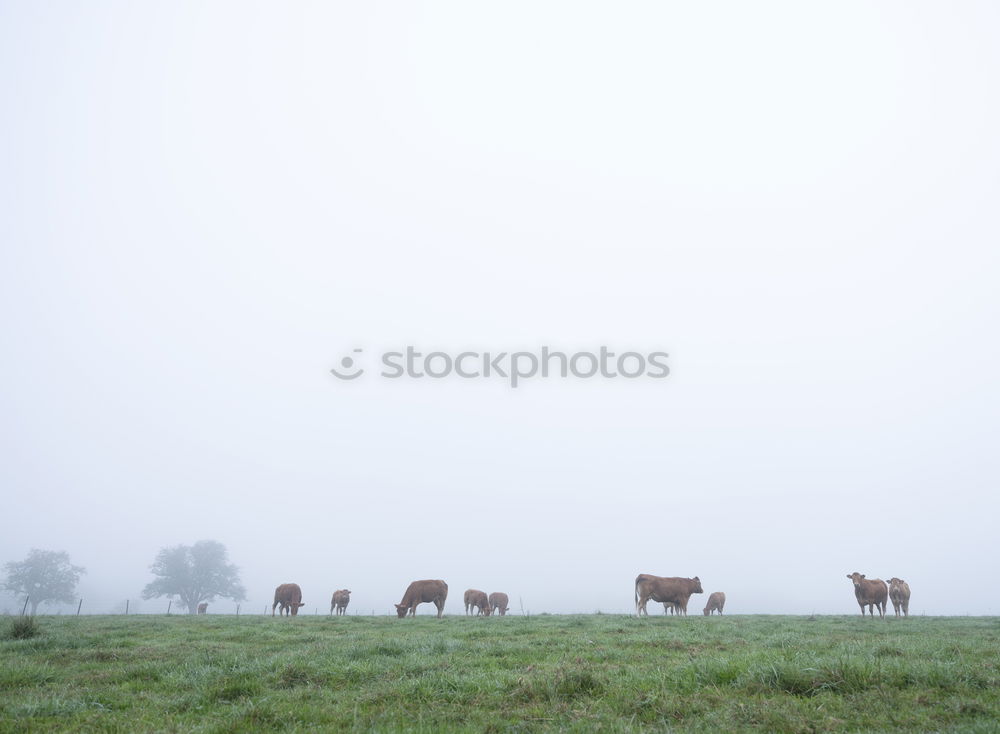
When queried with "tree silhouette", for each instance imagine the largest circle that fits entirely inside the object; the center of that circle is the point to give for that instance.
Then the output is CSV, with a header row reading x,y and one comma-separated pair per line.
x,y
193,574
44,576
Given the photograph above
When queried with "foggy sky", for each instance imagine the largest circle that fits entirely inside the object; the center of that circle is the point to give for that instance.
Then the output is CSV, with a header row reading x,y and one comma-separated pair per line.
x,y
205,207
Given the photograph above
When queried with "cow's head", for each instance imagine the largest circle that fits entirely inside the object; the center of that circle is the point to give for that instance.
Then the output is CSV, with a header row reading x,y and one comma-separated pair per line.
x,y
857,578
697,586
295,608
401,610
895,581
487,610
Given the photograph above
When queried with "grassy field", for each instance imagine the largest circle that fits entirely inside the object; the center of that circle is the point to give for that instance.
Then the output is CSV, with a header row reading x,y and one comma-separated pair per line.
x,y
543,673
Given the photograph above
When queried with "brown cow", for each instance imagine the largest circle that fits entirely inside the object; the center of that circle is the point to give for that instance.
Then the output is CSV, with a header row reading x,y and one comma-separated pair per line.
x,y
476,599
870,592
418,592
341,598
203,607
716,600
498,602
899,594
665,589
289,596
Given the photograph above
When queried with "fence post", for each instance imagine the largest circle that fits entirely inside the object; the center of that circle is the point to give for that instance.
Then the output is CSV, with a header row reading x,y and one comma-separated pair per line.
x,y
169,603
78,607
126,606
237,610
24,609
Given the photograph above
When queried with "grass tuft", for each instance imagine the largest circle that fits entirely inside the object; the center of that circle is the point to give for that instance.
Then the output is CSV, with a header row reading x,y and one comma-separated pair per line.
x,y
22,628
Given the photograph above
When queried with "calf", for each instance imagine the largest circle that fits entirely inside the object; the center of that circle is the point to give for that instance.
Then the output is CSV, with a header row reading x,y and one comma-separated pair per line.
x,y
203,607
341,598
716,601
498,602
476,599
899,594
870,593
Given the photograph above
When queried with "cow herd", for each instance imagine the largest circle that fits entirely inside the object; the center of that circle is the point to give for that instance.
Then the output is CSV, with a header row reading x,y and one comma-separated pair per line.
x,y
872,593
673,592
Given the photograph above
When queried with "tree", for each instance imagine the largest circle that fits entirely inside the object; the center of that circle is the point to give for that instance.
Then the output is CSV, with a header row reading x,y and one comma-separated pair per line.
x,y
193,574
44,577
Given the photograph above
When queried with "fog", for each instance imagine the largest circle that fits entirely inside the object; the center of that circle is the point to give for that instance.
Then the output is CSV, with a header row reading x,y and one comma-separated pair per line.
x,y
205,207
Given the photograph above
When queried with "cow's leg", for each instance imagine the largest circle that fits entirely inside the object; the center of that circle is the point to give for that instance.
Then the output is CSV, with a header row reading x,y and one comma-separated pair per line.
x,y
440,605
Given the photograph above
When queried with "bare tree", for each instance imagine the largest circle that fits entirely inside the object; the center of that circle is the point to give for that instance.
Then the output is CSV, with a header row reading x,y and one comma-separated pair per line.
x,y
195,574
44,577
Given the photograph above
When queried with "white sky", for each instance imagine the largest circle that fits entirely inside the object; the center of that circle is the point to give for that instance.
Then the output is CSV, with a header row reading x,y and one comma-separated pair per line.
x,y
204,206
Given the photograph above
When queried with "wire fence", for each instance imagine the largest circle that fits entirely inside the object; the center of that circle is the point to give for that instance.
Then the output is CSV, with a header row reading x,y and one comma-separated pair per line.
x,y
132,606
93,606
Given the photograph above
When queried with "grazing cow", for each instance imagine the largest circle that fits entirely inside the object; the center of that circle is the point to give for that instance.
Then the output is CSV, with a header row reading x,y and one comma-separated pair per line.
x,y
870,592
476,599
289,596
203,607
498,602
661,589
899,594
341,598
716,600
418,592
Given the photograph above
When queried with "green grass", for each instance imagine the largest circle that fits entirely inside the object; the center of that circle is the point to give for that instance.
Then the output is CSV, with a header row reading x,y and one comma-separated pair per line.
x,y
514,674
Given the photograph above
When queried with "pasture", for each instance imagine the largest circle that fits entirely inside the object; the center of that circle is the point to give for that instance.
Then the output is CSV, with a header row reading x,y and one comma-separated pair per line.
x,y
520,674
